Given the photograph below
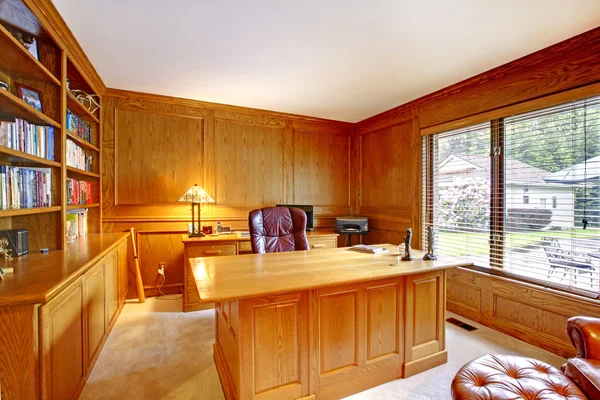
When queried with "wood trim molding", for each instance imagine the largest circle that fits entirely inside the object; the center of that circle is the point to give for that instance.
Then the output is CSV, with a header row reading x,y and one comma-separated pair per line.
x,y
223,109
51,18
536,104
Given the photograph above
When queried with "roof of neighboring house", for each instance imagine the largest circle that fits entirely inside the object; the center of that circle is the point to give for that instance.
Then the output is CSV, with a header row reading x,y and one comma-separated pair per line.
x,y
584,171
516,171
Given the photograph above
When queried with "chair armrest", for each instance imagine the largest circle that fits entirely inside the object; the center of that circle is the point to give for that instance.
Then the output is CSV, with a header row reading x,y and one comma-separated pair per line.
x,y
584,333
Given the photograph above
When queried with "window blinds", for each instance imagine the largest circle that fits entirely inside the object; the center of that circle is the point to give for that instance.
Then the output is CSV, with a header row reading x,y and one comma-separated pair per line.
x,y
512,194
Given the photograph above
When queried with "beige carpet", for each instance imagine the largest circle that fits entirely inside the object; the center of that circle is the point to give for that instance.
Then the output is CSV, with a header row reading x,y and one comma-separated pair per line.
x,y
157,352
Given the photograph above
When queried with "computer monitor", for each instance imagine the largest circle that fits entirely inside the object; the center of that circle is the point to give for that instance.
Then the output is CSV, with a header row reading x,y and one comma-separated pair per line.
x,y
309,210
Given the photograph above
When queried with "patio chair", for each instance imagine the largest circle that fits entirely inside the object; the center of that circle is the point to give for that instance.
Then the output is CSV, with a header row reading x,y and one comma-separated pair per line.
x,y
568,261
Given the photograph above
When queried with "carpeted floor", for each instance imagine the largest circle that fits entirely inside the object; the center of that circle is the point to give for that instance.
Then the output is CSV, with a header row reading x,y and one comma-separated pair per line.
x,y
157,352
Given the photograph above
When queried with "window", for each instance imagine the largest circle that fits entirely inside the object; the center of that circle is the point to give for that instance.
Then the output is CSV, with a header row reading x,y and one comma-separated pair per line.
x,y
475,183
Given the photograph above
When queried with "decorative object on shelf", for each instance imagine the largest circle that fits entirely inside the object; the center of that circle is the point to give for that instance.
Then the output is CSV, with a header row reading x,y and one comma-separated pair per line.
x,y
407,240
207,230
30,96
26,39
5,249
88,100
4,85
430,245
196,195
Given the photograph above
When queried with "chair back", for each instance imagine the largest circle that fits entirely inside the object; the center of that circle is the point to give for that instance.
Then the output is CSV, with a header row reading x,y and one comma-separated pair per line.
x,y
277,229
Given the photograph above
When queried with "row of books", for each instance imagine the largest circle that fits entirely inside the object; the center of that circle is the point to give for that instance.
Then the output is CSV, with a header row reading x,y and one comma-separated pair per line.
x,y
77,157
28,138
79,192
25,187
79,127
77,223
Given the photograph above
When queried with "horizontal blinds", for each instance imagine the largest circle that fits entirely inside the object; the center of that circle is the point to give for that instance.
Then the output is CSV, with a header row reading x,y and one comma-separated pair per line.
x,y
457,190
523,183
551,182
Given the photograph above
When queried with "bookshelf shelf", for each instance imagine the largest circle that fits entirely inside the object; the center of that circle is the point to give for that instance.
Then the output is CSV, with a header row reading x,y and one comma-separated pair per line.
x,y
80,172
81,143
19,63
18,158
29,211
11,106
78,206
77,108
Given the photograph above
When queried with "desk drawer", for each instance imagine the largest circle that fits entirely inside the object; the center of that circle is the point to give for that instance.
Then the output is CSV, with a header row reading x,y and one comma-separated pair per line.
x,y
322,243
210,250
244,247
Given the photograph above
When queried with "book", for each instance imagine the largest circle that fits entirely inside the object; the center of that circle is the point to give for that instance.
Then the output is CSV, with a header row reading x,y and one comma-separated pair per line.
x,y
363,248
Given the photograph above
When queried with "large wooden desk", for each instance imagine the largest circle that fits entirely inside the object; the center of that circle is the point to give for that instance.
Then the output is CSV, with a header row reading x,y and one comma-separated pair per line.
x,y
226,245
325,324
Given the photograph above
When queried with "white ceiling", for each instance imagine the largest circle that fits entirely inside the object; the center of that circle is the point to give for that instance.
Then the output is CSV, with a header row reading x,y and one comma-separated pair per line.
x,y
339,59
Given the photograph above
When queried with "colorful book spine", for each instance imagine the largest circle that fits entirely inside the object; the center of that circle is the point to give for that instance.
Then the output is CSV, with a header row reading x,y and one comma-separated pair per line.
x,y
79,192
79,127
29,138
25,187
77,157
77,223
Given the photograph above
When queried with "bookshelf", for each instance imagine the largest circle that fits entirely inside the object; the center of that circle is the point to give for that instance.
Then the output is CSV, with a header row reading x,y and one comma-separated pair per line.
x,y
53,73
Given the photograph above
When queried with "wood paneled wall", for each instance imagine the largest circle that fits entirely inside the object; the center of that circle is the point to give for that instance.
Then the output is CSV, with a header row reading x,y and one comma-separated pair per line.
x,y
155,147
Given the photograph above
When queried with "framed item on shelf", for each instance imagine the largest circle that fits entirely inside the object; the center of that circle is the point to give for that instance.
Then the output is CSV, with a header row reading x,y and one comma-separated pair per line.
x,y
33,49
30,96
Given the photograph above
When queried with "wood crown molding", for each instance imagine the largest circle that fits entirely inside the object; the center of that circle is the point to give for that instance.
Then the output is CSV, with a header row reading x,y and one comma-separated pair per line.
x,y
222,111
53,21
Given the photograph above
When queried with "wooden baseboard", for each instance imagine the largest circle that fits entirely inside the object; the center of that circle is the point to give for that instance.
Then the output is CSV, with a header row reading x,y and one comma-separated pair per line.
x,y
423,364
167,289
227,383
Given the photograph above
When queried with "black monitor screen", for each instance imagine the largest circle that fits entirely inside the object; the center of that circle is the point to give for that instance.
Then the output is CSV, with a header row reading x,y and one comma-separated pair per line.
x,y
309,210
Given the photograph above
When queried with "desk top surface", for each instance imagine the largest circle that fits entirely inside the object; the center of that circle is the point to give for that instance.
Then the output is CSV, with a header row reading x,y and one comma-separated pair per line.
x,y
253,275
233,237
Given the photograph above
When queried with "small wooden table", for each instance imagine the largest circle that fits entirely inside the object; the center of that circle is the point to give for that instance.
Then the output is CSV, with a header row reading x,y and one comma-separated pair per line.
x,y
323,324
227,245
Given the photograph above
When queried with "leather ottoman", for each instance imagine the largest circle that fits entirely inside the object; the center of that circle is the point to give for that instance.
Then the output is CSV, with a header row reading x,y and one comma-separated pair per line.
x,y
504,377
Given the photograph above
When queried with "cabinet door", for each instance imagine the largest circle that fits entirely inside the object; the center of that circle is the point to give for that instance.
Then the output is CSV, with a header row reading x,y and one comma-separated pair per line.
x,y
95,310
62,343
123,265
112,294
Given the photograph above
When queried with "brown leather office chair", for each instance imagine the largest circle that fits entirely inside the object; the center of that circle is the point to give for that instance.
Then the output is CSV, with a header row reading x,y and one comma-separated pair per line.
x,y
277,229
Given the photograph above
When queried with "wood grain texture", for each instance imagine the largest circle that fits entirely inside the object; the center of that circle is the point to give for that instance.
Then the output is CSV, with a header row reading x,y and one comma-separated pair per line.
x,y
95,309
155,248
382,320
531,313
161,157
338,321
18,357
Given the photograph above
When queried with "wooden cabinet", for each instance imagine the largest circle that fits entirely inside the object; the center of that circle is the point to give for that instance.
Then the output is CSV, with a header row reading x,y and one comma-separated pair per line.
x,y
112,286
95,310
229,245
122,273
62,322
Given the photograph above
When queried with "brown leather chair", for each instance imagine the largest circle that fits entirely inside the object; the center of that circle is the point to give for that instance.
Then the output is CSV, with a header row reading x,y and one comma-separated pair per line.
x,y
584,369
277,229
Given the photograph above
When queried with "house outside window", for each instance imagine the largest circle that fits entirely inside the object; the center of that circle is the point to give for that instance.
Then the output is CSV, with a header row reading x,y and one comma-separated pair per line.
x,y
474,184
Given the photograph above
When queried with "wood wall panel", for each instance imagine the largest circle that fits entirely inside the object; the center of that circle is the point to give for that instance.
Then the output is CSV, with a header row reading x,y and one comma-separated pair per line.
x,y
155,147
248,164
160,156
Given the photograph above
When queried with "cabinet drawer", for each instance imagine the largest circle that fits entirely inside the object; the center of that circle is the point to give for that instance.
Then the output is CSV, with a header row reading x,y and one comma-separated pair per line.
x,y
210,250
244,247
324,243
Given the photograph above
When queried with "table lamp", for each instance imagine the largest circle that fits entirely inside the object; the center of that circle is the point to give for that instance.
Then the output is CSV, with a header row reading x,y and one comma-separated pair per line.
x,y
196,195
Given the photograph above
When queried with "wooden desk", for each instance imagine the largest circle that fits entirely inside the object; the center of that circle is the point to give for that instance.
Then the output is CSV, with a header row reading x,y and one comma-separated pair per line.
x,y
227,245
328,323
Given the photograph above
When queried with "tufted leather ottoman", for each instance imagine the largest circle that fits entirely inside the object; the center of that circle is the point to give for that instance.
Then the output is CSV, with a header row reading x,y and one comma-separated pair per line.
x,y
502,377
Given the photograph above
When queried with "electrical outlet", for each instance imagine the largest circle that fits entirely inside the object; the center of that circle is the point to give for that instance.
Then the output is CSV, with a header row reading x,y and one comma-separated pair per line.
x,y
161,267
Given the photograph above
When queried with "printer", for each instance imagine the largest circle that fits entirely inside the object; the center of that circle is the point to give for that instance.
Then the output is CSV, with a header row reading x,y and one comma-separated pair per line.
x,y
352,225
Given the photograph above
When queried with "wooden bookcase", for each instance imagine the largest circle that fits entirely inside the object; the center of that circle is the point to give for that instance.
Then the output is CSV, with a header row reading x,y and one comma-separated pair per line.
x,y
46,225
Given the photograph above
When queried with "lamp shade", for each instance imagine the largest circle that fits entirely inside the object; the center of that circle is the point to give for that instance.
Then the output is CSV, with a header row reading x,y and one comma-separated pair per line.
x,y
196,194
